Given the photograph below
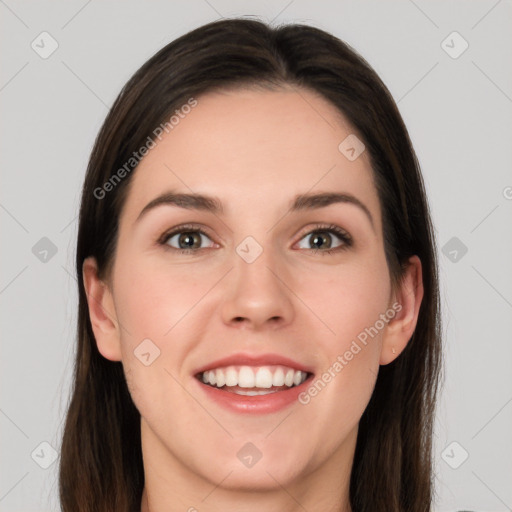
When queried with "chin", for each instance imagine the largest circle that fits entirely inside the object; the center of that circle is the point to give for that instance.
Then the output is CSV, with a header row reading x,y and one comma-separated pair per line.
x,y
261,478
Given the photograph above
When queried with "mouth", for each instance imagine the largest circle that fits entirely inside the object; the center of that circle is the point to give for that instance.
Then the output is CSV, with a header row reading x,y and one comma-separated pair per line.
x,y
257,389
253,381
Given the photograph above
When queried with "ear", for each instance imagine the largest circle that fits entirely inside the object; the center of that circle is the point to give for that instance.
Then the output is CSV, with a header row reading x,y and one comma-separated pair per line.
x,y
101,312
406,303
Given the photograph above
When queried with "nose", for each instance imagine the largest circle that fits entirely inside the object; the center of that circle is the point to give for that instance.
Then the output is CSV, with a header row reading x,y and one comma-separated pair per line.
x,y
258,295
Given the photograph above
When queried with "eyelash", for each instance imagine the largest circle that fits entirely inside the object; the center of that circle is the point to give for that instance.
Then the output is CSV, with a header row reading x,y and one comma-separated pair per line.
x,y
332,228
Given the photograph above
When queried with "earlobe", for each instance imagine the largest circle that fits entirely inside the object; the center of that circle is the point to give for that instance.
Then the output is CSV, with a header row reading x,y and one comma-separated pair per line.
x,y
101,312
408,299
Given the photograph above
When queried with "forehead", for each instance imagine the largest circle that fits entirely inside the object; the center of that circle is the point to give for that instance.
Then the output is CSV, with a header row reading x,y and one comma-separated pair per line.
x,y
248,146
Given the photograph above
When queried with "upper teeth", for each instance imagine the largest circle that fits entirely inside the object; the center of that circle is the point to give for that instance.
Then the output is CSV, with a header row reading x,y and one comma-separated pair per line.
x,y
254,377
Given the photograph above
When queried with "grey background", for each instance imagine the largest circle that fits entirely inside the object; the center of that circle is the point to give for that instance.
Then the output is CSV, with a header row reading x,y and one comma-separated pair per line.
x,y
458,112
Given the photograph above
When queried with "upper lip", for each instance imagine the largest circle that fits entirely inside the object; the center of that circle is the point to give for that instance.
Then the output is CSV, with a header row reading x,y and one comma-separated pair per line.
x,y
245,359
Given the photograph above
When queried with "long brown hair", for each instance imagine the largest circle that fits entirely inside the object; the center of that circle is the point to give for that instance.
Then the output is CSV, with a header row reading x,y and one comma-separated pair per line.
x,y
101,460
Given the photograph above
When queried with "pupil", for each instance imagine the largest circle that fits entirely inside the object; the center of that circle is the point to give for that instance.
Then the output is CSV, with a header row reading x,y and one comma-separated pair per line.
x,y
319,239
187,239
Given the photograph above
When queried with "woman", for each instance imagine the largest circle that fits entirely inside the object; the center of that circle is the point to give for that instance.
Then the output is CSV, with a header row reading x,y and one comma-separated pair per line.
x,y
258,298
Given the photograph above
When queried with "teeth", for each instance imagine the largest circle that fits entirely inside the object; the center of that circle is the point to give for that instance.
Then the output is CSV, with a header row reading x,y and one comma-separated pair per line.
x,y
245,377
263,377
278,379
253,393
220,378
231,377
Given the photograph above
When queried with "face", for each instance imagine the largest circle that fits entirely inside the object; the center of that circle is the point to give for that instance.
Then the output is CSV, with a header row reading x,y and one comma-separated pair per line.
x,y
270,288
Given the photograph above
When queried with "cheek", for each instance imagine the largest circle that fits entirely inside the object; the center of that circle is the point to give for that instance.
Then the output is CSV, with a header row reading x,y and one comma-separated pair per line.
x,y
351,303
347,299
156,305
152,296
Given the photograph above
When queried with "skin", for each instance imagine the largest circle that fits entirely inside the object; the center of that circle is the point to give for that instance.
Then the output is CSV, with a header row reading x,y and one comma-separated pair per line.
x,y
255,150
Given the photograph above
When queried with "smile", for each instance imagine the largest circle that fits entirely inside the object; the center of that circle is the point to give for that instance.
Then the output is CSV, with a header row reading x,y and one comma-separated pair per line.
x,y
250,383
253,381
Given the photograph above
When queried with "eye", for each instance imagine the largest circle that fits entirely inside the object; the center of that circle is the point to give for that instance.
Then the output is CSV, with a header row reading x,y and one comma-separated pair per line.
x,y
189,239
186,239
326,239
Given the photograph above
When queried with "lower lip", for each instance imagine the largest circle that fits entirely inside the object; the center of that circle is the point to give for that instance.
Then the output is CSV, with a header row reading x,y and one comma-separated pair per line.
x,y
259,404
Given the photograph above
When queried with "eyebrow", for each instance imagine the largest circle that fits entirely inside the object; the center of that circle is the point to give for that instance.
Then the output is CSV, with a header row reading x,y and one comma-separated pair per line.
x,y
214,205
